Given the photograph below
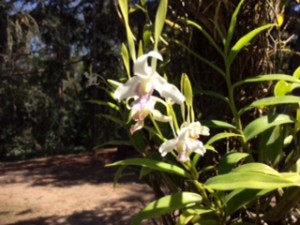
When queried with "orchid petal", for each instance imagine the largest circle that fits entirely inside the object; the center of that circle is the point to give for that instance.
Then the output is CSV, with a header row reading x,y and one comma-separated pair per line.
x,y
183,157
160,117
204,131
141,67
196,146
167,147
167,90
128,89
137,126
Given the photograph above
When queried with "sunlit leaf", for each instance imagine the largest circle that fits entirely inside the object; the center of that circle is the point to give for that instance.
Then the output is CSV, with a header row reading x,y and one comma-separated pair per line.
x,y
243,41
221,136
271,101
218,124
265,122
232,25
282,88
229,161
154,165
130,37
126,60
160,20
187,90
165,205
269,77
296,73
247,180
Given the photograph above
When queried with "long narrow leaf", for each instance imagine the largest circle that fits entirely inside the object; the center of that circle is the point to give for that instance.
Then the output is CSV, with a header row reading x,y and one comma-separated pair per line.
x,y
208,62
248,180
130,37
241,197
229,161
243,41
207,35
155,165
166,205
218,124
232,26
268,77
221,136
265,122
271,101
160,20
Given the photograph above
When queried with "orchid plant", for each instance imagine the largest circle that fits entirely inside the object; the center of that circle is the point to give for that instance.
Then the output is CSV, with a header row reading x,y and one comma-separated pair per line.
x,y
238,181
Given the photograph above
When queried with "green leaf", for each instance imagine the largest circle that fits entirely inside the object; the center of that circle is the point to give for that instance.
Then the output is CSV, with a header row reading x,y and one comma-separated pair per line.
x,y
126,60
197,56
218,124
118,174
112,118
113,143
271,101
212,94
241,197
253,176
243,41
232,26
264,78
186,89
105,103
221,136
229,161
296,73
207,222
257,167
154,165
263,123
207,35
282,88
248,180
130,37
159,21
166,205
271,145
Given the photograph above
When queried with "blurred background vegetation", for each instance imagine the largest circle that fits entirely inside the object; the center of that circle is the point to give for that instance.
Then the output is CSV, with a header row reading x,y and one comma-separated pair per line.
x,y
55,56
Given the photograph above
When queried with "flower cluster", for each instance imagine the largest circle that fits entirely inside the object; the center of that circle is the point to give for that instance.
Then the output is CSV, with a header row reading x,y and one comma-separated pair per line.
x,y
140,89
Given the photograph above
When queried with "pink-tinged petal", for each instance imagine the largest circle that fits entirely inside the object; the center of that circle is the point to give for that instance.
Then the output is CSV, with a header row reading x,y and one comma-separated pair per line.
x,y
183,157
128,89
167,90
167,147
137,126
141,67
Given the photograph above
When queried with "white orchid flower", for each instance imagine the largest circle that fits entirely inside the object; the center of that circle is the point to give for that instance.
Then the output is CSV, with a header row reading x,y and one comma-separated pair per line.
x,y
141,108
146,80
186,142
141,87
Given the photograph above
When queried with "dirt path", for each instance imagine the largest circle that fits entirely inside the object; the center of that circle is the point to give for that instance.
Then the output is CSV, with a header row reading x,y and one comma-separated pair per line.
x,y
67,190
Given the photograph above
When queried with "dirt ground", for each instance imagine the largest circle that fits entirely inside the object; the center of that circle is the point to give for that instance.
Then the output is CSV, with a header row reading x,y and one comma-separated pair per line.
x,y
68,190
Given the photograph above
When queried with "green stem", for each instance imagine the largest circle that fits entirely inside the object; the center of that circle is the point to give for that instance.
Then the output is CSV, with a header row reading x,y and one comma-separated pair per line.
x,y
232,105
202,192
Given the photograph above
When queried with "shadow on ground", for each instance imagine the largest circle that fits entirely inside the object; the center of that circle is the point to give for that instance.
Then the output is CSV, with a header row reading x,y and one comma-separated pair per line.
x,y
63,171
115,213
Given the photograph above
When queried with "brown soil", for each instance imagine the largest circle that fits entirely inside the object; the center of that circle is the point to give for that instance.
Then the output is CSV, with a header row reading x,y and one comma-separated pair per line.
x,y
68,190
